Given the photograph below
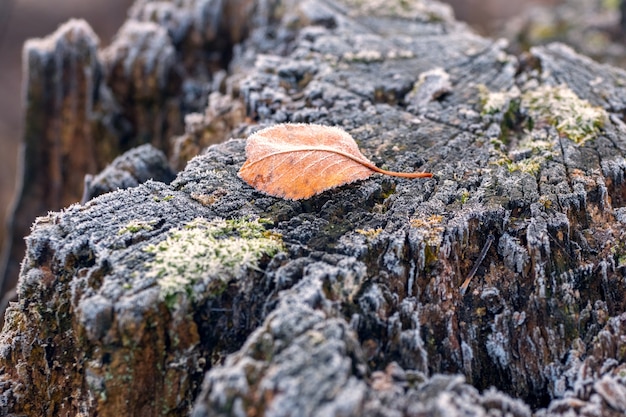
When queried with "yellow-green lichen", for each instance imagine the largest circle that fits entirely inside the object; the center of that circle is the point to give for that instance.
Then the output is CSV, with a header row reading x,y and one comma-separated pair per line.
x,y
546,201
166,198
530,165
431,227
135,226
496,101
559,106
370,234
619,254
532,151
464,197
204,256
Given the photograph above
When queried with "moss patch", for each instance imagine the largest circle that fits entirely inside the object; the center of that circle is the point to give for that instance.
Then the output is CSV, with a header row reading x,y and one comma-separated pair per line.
x,y
529,155
573,117
204,255
135,226
559,106
492,102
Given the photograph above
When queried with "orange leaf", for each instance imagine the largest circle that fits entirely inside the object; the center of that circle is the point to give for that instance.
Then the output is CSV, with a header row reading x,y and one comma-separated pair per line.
x,y
297,161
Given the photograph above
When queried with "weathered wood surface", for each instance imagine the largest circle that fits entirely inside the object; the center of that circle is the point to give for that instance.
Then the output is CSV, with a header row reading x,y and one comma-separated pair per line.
x,y
85,106
360,313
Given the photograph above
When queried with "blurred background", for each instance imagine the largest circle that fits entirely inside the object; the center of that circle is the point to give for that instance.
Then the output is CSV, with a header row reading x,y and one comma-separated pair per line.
x,y
525,25
21,20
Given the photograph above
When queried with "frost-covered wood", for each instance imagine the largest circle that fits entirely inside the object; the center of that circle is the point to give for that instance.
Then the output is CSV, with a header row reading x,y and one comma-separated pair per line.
x,y
134,167
61,76
347,303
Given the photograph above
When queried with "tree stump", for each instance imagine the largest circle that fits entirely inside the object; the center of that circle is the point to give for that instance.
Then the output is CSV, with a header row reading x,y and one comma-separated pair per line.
x,y
205,297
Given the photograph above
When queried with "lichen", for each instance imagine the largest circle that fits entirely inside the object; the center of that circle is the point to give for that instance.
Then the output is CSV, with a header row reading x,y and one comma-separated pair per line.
x,y
497,101
363,56
370,234
431,227
530,166
529,155
166,198
135,226
464,197
619,254
573,117
205,255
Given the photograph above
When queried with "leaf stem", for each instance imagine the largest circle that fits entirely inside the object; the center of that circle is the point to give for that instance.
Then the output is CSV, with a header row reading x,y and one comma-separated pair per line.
x,y
401,174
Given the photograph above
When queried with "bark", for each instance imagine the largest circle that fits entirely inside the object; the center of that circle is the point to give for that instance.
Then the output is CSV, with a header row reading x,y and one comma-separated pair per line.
x,y
348,303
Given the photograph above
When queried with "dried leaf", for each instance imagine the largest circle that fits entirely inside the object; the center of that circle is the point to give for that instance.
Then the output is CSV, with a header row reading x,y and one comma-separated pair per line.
x,y
297,161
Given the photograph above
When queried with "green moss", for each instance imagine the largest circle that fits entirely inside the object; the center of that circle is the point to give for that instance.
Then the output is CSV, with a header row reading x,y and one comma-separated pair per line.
x,y
431,255
506,103
388,191
166,198
492,102
619,254
464,197
559,106
135,226
574,118
204,255
546,202
529,165
534,149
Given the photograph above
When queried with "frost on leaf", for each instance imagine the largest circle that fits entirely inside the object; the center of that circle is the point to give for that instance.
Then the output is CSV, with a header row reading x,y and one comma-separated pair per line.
x,y
297,161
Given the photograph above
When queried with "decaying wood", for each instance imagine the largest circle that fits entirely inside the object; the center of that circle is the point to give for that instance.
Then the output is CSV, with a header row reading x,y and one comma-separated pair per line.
x,y
62,73
84,107
360,312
